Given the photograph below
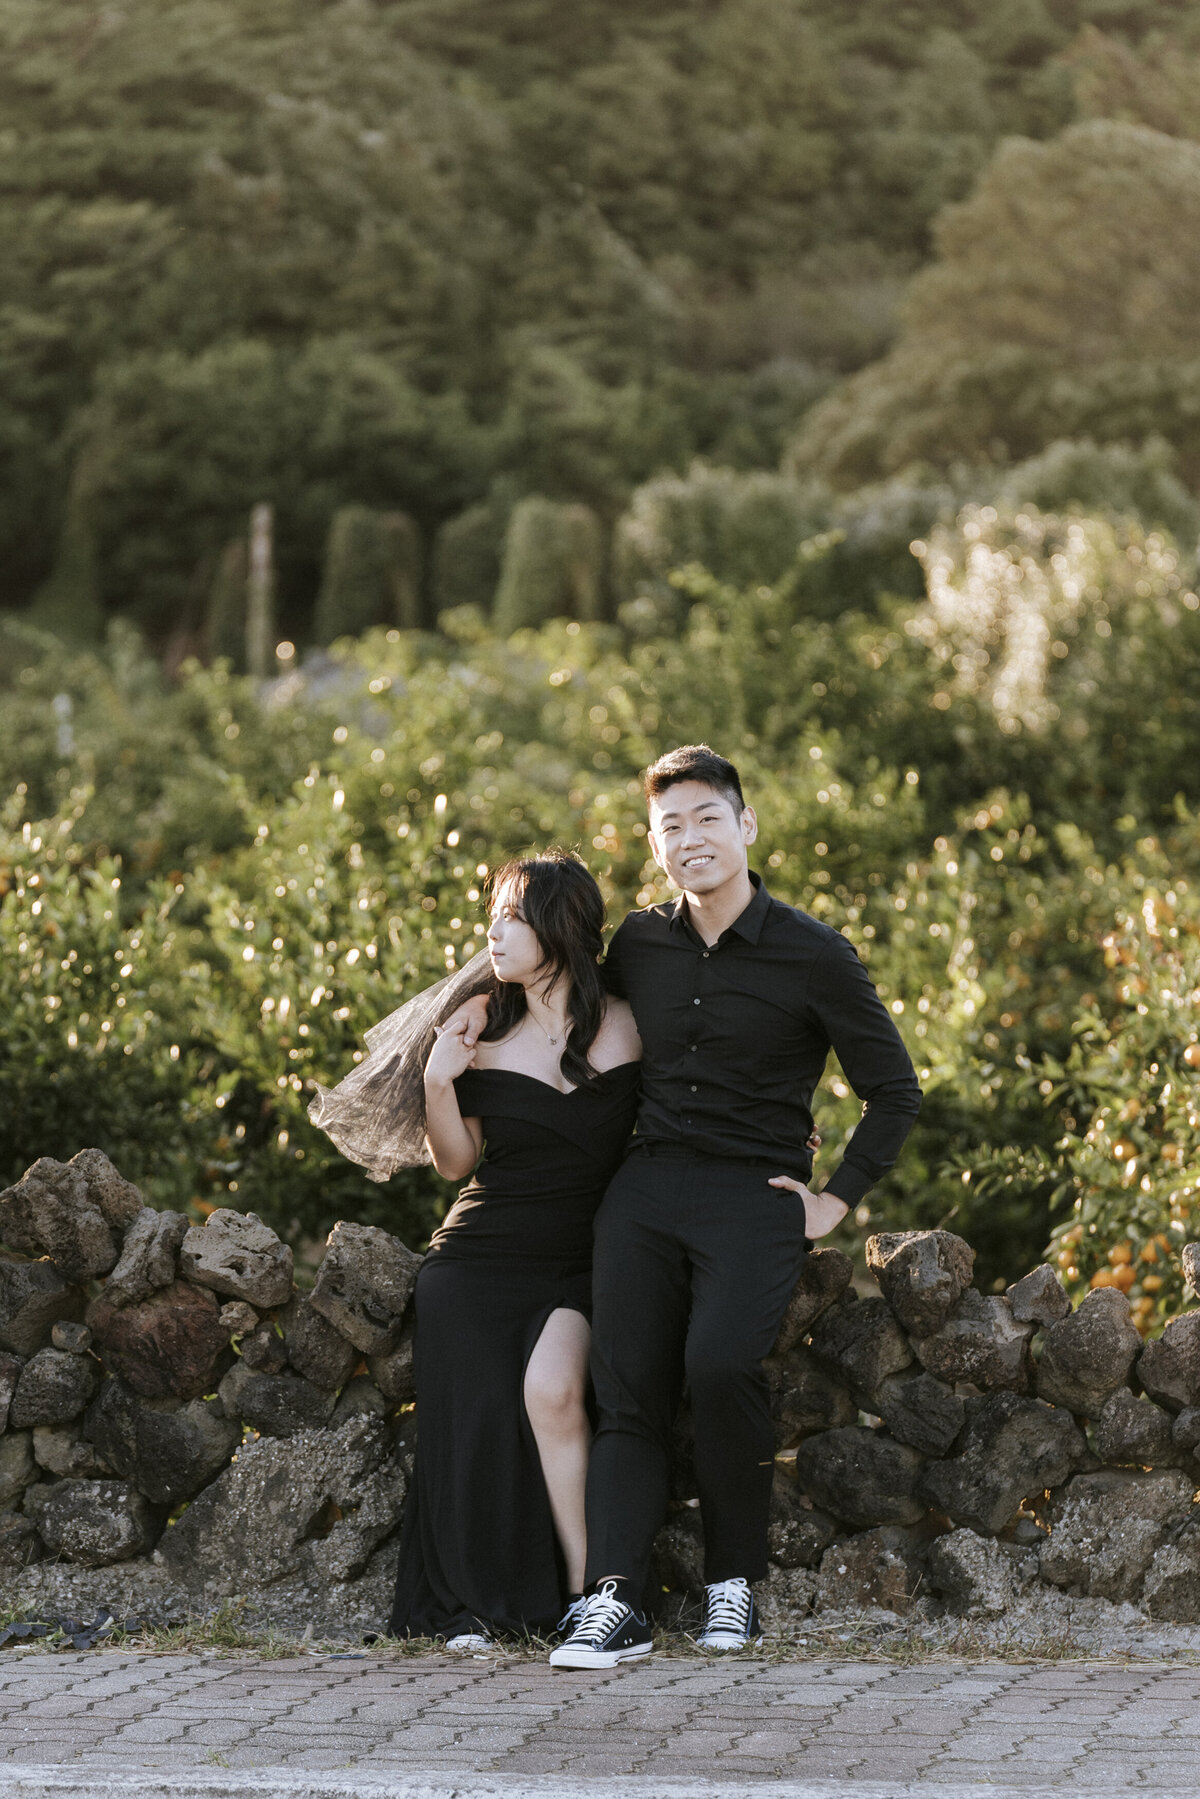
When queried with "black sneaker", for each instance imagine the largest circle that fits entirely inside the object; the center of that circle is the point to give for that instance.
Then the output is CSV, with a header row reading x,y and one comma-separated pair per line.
x,y
571,1617
730,1617
608,1632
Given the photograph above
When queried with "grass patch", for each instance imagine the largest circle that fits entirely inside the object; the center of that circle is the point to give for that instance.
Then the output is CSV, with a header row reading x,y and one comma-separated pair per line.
x,y
225,1631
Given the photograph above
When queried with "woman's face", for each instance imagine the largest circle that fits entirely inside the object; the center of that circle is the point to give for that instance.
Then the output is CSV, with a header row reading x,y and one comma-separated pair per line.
x,y
512,943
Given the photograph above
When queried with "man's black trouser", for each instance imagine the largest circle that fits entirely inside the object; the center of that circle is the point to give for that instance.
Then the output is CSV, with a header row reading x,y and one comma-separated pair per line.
x,y
695,1261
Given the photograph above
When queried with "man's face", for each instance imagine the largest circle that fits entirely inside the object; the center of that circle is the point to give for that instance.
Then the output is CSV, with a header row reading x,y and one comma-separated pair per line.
x,y
697,838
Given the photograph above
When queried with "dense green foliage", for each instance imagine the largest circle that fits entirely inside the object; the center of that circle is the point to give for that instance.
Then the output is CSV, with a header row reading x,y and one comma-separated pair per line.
x,y
432,258
957,784
816,376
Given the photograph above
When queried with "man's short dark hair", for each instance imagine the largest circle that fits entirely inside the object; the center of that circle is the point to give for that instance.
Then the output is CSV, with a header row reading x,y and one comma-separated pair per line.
x,y
695,762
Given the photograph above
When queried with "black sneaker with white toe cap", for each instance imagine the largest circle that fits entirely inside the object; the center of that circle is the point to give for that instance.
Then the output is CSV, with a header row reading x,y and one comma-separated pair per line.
x,y
730,1617
608,1632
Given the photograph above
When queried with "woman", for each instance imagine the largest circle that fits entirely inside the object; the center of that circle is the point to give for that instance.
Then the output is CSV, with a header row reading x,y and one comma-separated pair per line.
x,y
493,1539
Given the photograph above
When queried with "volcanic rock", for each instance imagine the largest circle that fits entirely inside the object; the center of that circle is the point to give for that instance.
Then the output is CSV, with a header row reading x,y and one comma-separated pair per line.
x,y
1171,1589
236,1253
785,1599
922,1412
264,1350
315,1348
677,1560
50,1212
95,1522
364,1285
862,1342
10,1373
60,1450
799,1533
314,1504
973,1575
358,1397
17,1469
1039,1297
117,1200
1191,1266
170,1344
884,1567
238,1318
19,1542
1106,1527
861,1475
825,1275
1011,1448
76,1339
805,1396
979,1342
393,1373
1169,1366
278,1405
33,1295
1136,1431
149,1256
1185,1429
168,1450
921,1274
1087,1357
53,1388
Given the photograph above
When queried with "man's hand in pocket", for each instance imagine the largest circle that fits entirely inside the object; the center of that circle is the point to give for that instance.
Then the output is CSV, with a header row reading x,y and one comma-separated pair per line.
x,y
823,1212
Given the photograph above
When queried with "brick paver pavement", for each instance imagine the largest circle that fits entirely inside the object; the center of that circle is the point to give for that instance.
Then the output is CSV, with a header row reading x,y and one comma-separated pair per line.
x,y
948,1725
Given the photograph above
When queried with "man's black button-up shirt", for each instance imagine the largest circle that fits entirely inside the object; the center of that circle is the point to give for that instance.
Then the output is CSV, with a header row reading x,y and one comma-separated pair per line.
x,y
735,1038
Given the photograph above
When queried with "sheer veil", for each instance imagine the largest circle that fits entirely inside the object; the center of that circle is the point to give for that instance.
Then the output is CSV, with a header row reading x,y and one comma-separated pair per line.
x,y
376,1115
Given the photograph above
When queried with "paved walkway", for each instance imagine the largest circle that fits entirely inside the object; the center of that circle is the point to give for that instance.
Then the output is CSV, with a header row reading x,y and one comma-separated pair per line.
x,y
107,1720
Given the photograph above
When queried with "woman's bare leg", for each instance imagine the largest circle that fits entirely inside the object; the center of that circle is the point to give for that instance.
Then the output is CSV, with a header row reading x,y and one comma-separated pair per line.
x,y
555,1383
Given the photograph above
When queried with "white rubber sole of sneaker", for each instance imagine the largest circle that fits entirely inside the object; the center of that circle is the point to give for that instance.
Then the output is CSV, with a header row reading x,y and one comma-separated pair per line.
x,y
566,1657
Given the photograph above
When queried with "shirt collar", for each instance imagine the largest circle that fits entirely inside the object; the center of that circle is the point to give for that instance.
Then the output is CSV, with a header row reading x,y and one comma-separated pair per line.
x,y
748,924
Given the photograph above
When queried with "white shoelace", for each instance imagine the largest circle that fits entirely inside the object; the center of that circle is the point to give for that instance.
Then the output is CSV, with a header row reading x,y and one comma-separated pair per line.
x,y
601,1613
727,1607
573,1614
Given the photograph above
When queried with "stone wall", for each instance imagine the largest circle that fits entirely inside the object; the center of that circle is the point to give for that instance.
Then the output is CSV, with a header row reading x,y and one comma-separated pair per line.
x,y
178,1424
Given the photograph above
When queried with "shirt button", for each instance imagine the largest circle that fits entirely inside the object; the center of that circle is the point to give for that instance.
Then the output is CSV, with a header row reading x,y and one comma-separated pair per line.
x,y
695,1089
706,955
693,1047
695,1002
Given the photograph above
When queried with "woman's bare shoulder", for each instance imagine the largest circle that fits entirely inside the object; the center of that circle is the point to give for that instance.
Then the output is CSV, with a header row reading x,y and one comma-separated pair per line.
x,y
617,1039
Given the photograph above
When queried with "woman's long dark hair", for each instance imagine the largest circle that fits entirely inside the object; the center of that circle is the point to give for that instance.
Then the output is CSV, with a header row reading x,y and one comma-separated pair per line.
x,y
563,907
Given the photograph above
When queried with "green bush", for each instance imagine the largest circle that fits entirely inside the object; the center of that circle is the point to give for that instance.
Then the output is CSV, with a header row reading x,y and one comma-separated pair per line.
x,y
466,558
553,566
372,574
296,860
742,528
1121,481
1119,1162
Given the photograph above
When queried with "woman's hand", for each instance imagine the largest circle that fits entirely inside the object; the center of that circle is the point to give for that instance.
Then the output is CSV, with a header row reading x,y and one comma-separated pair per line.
x,y
823,1212
454,1141
470,1020
450,1055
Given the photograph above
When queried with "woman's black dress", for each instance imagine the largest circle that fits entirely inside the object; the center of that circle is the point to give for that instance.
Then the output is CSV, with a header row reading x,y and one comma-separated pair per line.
x,y
478,1546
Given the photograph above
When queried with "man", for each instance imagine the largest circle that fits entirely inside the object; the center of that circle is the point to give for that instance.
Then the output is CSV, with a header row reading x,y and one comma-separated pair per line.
x,y
700,1237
